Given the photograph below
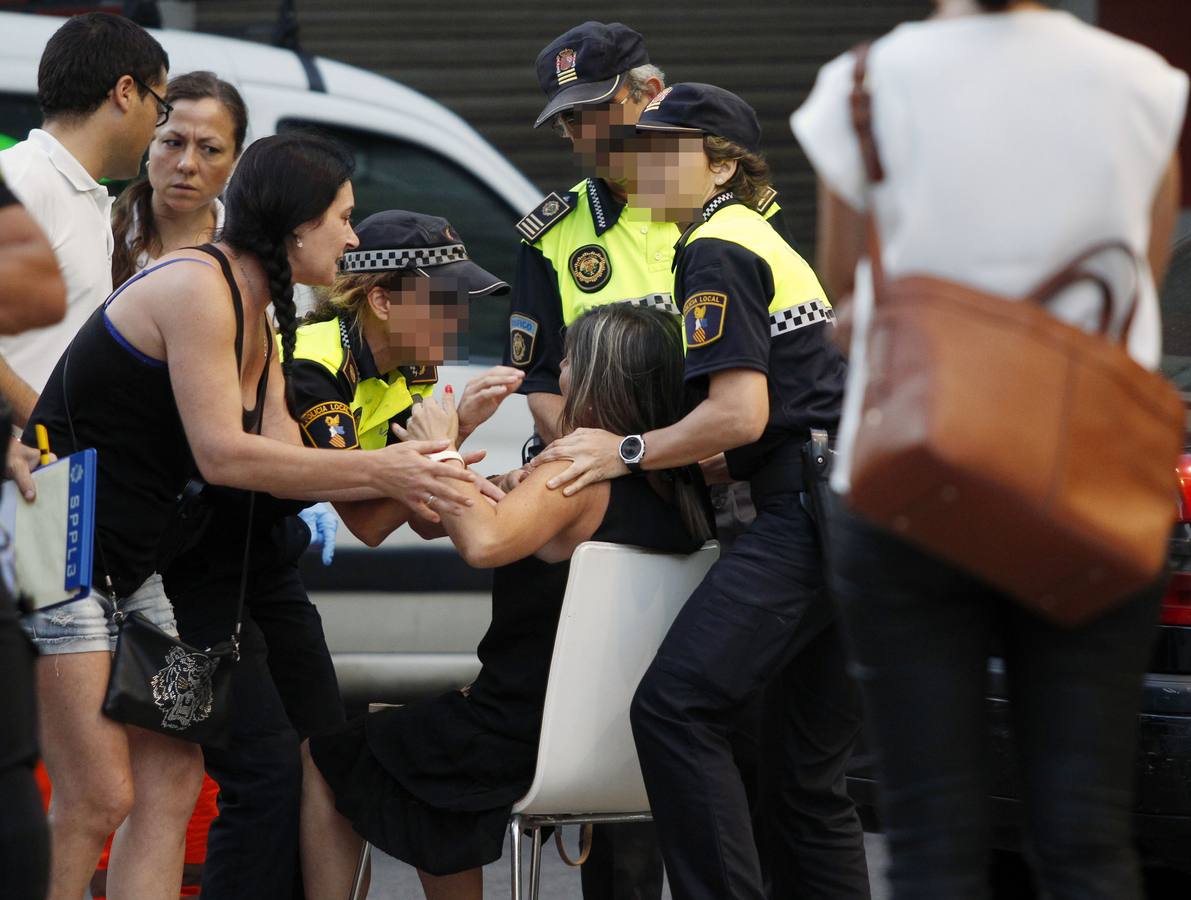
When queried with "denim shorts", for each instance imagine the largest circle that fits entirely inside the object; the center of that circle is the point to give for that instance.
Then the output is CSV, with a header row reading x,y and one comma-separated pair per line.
x,y
85,625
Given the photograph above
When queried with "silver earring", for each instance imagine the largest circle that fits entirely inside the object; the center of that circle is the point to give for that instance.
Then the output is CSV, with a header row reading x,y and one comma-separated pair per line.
x,y
298,241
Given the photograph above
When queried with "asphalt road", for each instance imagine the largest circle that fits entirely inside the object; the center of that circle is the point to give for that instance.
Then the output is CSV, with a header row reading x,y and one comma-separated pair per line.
x,y
393,880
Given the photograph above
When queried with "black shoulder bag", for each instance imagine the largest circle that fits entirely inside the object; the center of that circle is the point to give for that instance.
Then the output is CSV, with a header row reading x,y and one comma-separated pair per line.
x,y
159,682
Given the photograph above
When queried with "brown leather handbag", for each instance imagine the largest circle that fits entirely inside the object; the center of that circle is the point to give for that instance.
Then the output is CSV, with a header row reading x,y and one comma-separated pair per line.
x,y
1033,454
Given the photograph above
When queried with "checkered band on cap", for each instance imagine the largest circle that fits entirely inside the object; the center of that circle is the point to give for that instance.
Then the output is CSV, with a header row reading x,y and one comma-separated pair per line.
x,y
382,260
664,302
800,316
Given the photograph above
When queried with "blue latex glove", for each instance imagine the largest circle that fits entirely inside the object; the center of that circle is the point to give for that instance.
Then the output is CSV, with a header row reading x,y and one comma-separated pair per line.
x,y
323,524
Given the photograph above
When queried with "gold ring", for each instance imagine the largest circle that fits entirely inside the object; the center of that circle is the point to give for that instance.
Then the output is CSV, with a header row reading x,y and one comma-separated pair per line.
x,y
430,501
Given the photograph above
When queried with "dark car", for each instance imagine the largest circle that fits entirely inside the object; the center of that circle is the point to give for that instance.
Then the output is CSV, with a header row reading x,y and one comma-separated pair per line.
x,y
1162,820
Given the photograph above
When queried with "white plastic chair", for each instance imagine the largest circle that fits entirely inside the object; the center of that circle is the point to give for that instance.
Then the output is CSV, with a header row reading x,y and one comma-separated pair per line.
x,y
619,604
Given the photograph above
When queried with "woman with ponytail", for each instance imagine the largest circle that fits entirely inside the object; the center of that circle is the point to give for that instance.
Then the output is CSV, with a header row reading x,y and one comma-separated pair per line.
x,y
177,369
190,161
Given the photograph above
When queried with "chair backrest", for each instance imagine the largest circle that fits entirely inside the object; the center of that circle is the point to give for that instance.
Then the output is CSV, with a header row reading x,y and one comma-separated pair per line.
x,y
620,602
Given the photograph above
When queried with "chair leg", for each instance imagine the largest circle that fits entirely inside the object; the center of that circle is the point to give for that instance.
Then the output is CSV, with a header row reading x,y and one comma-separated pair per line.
x,y
361,872
535,863
515,854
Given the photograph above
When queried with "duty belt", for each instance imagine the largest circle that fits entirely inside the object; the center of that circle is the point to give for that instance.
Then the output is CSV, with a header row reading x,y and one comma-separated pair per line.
x,y
794,317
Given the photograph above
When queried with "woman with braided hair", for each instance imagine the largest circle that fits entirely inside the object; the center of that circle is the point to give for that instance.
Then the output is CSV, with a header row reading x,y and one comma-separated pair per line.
x,y
177,369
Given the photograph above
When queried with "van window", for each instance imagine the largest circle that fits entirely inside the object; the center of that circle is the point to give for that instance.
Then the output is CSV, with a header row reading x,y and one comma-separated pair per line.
x,y
396,174
19,114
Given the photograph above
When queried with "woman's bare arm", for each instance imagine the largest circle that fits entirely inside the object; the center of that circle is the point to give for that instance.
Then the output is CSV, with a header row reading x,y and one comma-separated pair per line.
x,y
189,323
1164,215
839,244
525,521
32,293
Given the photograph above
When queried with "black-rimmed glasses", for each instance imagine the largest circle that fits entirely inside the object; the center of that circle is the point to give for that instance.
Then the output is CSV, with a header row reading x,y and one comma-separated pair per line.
x,y
163,109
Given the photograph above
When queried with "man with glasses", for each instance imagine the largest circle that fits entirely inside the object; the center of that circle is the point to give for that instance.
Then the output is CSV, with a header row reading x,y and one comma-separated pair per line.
x,y
99,85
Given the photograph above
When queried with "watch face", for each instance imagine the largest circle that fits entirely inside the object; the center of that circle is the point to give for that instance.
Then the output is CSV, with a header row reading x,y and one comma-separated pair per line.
x,y
630,448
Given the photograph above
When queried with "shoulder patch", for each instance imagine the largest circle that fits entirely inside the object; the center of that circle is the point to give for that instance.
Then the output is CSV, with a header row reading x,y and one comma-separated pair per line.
x,y
420,374
523,331
350,370
327,425
547,213
703,318
766,200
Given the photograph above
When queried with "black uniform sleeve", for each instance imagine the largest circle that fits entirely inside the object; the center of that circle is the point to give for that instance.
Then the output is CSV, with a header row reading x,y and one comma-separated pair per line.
x,y
324,407
725,291
535,322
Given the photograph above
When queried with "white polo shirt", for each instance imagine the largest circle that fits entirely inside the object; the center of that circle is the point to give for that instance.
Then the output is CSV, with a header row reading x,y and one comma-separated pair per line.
x,y
75,213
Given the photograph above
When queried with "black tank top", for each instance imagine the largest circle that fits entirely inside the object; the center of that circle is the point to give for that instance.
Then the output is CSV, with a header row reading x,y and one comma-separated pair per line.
x,y
122,404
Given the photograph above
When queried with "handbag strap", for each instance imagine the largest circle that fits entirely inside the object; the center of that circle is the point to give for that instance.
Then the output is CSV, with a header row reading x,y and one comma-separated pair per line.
x,y
1074,272
861,107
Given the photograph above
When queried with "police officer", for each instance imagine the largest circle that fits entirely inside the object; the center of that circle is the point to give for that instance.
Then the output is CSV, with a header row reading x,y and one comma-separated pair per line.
x,y
372,346
587,246
581,249
757,329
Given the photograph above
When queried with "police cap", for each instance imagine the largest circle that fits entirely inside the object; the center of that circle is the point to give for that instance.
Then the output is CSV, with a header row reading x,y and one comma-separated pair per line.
x,y
396,240
694,108
587,64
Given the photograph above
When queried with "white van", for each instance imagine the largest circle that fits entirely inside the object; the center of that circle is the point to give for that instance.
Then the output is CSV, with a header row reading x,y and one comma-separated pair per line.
x,y
404,621
411,153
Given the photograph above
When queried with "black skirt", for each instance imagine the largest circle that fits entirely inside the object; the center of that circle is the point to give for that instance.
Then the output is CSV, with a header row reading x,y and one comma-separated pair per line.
x,y
427,783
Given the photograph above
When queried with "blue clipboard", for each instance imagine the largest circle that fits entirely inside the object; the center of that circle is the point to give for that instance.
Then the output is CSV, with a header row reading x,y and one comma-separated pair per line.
x,y
54,537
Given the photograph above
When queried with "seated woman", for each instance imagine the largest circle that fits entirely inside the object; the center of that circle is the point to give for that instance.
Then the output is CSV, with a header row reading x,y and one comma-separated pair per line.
x,y
432,783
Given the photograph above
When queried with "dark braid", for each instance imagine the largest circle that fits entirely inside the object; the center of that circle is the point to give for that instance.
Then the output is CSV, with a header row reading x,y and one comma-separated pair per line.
x,y
282,182
281,288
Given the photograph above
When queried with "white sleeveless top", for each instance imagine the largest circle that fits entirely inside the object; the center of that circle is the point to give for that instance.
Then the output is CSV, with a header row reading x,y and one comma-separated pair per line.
x,y
1010,142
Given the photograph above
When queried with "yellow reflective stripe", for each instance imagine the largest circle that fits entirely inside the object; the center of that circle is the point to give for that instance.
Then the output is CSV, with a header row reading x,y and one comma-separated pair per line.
x,y
794,281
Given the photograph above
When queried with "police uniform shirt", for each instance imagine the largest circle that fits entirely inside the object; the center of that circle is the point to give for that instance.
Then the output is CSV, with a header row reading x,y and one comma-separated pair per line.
x,y
343,400
580,250
749,301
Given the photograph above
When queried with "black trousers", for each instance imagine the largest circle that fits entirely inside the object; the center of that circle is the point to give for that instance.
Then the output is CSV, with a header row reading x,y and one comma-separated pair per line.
x,y
284,690
24,838
922,632
760,620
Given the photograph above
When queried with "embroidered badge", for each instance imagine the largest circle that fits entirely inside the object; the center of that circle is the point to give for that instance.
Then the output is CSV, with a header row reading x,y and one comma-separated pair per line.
x,y
539,221
350,370
657,101
522,332
420,374
335,432
703,318
564,66
450,234
591,268
325,425
182,690
766,200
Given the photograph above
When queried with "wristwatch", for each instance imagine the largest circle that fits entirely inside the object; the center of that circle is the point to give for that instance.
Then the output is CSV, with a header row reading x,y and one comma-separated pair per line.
x,y
632,451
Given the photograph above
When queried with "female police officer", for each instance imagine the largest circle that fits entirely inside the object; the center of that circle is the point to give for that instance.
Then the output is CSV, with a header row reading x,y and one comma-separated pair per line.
x,y
758,348
371,347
